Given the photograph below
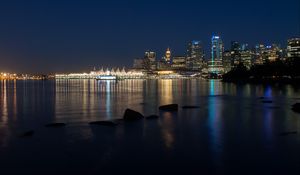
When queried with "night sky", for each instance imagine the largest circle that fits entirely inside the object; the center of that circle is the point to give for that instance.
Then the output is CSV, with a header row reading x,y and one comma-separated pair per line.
x,y
39,36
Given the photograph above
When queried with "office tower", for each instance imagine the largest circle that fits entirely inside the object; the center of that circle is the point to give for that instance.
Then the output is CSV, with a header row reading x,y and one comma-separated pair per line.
x,y
227,61
235,52
293,48
150,55
179,62
215,63
272,52
150,58
246,55
138,63
167,57
246,58
195,55
259,56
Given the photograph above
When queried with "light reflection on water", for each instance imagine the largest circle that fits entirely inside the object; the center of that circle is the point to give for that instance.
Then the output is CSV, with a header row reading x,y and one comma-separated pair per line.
x,y
229,116
215,120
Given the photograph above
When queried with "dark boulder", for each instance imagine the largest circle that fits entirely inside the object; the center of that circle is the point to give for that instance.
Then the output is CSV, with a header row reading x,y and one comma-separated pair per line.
x,y
55,125
27,134
170,107
190,107
131,115
296,107
288,133
152,117
274,107
104,123
267,101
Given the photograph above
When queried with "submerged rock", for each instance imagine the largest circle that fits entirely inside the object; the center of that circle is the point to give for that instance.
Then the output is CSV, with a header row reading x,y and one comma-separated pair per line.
x,y
170,107
190,107
296,107
152,117
130,115
274,107
104,123
267,101
55,125
27,134
288,133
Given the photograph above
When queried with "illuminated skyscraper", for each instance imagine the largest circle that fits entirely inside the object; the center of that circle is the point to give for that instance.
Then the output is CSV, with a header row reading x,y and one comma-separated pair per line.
x,y
235,52
227,61
168,56
293,48
150,55
165,62
195,55
179,62
150,60
215,63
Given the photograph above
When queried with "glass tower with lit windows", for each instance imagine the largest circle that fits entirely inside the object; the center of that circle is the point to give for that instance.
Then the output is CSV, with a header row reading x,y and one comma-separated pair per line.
x,y
195,55
293,48
215,63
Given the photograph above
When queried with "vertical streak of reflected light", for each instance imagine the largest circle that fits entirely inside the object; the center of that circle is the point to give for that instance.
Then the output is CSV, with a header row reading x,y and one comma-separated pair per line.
x,y
166,91
108,106
4,102
15,99
268,124
268,92
214,122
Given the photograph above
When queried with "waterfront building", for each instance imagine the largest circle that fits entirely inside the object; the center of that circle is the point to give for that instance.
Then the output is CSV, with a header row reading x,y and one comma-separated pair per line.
x,y
195,55
117,72
293,48
215,63
179,62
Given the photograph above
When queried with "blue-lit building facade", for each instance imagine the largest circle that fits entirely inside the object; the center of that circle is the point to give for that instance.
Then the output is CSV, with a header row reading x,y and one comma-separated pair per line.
x,y
215,65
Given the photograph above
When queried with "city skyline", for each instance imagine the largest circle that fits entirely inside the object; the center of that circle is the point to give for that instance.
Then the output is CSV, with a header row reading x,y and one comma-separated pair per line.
x,y
47,37
195,58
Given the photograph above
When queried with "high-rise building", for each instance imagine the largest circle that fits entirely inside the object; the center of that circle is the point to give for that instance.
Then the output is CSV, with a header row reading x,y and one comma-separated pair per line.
x,y
138,63
179,62
247,58
195,55
167,57
293,48
264,53
227,61
272,52
215,63
235,46
246,55
150,56
235,52
259,54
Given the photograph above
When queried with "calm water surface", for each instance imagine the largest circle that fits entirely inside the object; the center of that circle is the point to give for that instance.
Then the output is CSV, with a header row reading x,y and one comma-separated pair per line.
x,y
232,132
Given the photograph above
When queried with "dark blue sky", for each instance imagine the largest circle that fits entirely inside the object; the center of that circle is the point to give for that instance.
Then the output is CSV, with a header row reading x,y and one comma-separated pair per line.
x,y
39,36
